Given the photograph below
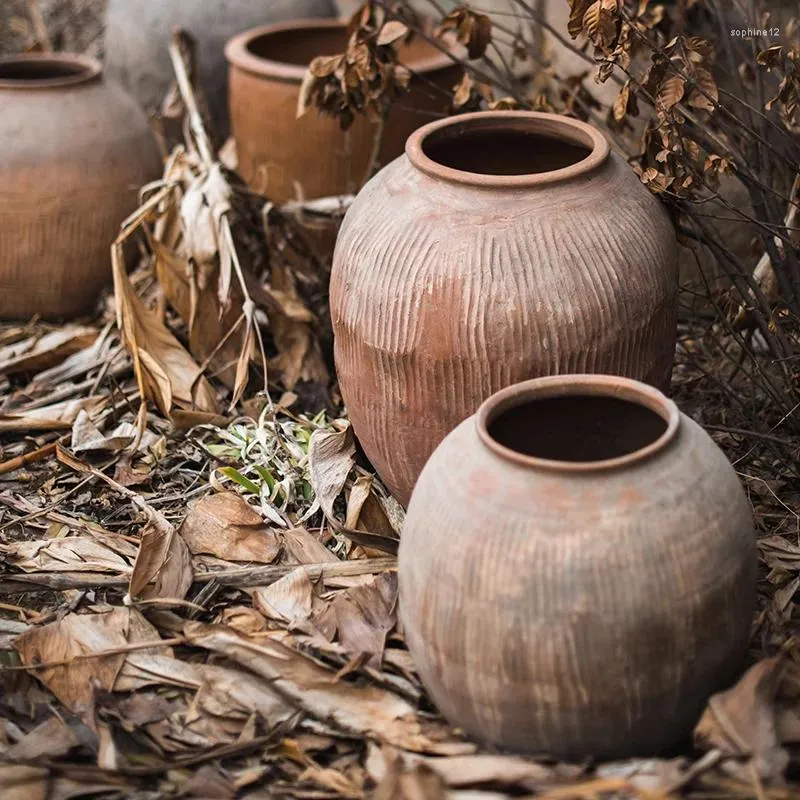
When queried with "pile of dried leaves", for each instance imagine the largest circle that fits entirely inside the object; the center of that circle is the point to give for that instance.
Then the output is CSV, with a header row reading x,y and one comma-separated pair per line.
x,y
212,612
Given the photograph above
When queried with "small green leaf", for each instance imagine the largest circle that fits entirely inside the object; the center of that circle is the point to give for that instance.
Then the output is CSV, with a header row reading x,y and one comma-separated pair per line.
x,y
245,483
220,450
265,475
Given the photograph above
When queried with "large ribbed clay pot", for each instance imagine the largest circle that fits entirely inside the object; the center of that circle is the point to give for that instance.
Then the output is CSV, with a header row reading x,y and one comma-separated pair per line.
x,y
284,157
577,570
76,150
138,34
502,246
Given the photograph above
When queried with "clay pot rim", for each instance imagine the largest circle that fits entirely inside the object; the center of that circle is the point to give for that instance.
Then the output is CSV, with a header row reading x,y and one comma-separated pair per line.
x,y
90,69
552,125
570,385
238,54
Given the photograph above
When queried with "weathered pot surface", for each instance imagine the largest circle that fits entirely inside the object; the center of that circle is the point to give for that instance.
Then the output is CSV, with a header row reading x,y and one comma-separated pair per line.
x,y
76,151
577,570
280,155
502,246
138,34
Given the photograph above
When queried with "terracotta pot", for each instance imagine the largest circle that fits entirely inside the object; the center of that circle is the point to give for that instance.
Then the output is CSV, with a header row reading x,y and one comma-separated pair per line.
x,y
278,152
76,150
503,246
138,34
577,570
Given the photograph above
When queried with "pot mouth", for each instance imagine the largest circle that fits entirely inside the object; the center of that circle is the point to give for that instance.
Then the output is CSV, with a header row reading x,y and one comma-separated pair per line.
x,y
47,70
284,50
577,423
507,149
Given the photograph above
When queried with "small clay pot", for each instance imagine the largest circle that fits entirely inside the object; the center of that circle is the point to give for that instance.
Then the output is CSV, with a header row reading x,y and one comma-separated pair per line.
x,y
76,150
284,157
138,35
577,570
503,246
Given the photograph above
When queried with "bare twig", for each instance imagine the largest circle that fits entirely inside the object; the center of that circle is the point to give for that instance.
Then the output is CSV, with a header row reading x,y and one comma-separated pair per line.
x,y
240,577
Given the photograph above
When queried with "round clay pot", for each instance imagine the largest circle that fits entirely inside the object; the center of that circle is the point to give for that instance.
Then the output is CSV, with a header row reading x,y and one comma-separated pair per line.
x,y
76,151
577,570
138,34
503,246
282,156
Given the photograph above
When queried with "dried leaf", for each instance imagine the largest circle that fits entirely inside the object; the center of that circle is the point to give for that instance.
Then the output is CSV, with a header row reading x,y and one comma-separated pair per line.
x,y
671,92
410,783
599,24
359,493
771,57
225,526
163,560
621,103
225,691
304,548
473,770
578,10
742,721
52,738
25,783
288,599
362,710
480,35
74,637
209,322
42,352
365,615
165,372
331,456
243,619
463,91
391,32
472,28
58,416
69,554
706,94
87,437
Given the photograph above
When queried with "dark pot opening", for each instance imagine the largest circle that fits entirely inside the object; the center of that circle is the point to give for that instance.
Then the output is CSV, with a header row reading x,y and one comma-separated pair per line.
x,y
581,429
507,149
288,48
501,151
577,422
298,46
32,71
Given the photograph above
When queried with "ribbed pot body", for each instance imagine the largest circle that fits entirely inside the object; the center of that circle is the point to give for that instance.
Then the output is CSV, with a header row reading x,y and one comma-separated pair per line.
x,y
74,158
577,614
138,34
443,293
285,157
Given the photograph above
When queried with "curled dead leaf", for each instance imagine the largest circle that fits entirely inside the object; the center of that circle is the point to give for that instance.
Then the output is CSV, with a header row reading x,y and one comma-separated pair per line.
x,y
331,456
225,526
163,566
745,720
391,32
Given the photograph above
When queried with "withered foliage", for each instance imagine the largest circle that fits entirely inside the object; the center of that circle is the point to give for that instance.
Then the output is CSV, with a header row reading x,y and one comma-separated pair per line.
x,y
234,269
473,30
366,78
